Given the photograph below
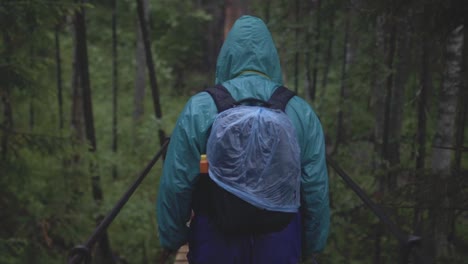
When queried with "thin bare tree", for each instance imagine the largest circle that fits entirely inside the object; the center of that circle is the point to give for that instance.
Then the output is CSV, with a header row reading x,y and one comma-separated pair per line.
x,y
7,124
140,69
151,68
115,84
317,33
443,155
341,129
233,9
58,74
425,81
329,53
104,252
296,39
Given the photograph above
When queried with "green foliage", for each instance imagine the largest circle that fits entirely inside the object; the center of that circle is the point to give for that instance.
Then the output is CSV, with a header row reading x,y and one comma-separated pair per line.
x,y
25,38
45,183
178,26
178,30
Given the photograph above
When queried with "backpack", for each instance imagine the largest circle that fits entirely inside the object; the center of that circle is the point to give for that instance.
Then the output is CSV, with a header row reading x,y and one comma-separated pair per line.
x,y
253,184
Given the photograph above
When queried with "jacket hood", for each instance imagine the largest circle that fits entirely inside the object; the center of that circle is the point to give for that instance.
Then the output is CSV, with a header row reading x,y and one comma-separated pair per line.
x,y
248,47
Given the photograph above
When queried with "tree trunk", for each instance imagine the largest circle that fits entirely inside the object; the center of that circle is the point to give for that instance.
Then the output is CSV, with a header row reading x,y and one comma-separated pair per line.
x,y
115,84
424,80
378,105
233,9
388,93
389,158
6,100
402,69
7,121
58,65
313,89
296,54
214,37
82,66
33,95
443,159
105,253
179,76
421,133
308,71
460,129
462,104
329,54
140,75
151,69
77,117
267,11
32,112
341,128
378,92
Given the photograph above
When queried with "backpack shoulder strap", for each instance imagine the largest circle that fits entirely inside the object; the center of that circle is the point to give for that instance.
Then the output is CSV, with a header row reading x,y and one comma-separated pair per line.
x,y
224,100
221,96
280,98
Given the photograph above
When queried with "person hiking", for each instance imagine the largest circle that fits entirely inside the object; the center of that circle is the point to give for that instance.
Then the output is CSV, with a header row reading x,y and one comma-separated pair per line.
x,y
248,66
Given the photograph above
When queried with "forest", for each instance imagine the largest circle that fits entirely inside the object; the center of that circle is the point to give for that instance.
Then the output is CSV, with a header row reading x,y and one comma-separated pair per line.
x,y
90,90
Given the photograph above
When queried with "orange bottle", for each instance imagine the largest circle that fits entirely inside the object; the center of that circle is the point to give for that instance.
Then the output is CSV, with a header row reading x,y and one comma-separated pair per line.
x,y
203,164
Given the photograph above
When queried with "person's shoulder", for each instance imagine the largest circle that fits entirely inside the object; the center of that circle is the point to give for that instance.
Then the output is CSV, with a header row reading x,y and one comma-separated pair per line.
x,y
200,102
300,104
303,110
200,98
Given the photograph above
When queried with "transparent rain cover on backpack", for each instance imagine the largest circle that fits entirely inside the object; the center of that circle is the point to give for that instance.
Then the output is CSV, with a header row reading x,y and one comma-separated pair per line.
x,y
253,153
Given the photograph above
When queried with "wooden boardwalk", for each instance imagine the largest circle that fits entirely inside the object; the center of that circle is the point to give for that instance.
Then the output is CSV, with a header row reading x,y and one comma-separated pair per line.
x,y
181,256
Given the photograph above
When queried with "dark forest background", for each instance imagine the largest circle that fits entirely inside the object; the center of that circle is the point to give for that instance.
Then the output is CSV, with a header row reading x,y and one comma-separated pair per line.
x,y
87,97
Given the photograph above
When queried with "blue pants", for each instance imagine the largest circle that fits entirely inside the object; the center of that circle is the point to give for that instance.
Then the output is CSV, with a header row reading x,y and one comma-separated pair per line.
x,y
207,246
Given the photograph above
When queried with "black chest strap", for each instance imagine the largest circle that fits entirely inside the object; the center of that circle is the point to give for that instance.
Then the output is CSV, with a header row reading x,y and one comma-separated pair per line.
x,y
224,100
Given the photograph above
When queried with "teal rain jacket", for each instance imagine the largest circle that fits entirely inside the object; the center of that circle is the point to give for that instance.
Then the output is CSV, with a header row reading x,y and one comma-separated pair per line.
x,y
248,66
